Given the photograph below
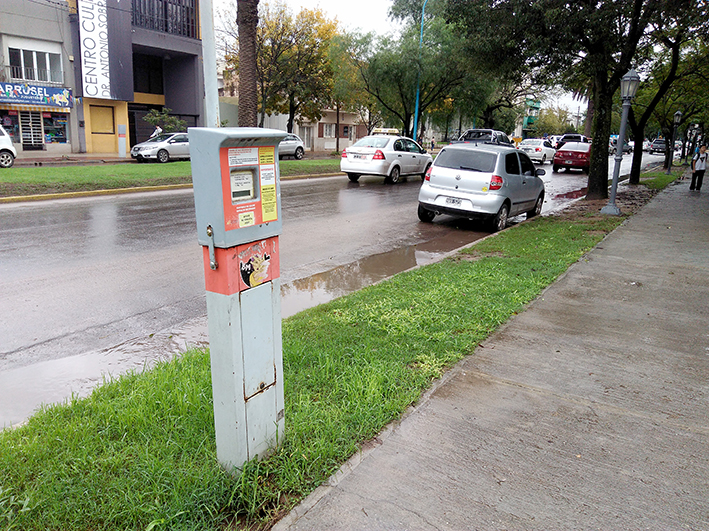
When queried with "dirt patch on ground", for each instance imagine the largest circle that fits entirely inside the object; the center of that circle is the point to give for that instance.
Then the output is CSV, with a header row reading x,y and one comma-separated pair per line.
x,y
630,199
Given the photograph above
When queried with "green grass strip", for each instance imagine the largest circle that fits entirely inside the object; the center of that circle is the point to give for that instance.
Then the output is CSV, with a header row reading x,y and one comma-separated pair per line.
x,y
139,453
20,181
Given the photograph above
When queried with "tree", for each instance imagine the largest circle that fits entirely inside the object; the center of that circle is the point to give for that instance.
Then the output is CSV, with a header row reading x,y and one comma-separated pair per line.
x,y
247,21
555,39
392,68
169,124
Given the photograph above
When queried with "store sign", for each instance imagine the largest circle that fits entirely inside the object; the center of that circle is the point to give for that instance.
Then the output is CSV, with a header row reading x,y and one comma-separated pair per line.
x,y
28,94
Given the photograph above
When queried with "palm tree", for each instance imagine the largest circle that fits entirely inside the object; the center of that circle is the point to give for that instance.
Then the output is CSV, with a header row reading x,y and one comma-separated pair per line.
x,y
247,20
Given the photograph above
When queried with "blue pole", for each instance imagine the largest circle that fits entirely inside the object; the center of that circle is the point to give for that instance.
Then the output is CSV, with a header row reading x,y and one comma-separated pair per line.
x,y
418,80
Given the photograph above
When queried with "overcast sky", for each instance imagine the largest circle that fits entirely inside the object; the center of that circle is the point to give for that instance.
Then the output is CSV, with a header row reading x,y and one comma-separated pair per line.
x,y
363,15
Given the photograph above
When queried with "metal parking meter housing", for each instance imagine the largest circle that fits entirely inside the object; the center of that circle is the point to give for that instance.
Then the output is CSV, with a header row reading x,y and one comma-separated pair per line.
x,y
236,182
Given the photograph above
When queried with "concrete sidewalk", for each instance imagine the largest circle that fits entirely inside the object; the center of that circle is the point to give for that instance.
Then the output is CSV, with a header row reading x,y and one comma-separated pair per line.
x,y
589,410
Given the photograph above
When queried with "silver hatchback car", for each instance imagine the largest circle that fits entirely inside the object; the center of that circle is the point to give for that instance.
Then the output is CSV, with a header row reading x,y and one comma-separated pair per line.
x,y
388,155
481,181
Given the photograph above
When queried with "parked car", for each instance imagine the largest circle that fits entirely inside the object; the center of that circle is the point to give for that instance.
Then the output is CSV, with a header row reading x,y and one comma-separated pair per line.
x,y
646,145
573,155
613,147
538,149
292,146
571,137
481,181
8,153
391,156
485,135
658,146
162,147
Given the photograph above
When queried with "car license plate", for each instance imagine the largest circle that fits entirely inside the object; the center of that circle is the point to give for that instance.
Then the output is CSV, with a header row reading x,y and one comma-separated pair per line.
x,y
359,157
453,201
569,162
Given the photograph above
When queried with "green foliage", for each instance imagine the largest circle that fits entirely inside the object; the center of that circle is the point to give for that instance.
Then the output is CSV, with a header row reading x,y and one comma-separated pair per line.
x,y
167,122
139,453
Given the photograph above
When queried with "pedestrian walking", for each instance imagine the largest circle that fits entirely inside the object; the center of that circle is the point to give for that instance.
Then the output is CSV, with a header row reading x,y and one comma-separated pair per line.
x,y
699,166
433,143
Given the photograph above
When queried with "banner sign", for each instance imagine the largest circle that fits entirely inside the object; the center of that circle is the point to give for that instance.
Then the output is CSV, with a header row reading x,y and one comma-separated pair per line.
x,y
95,62
27,94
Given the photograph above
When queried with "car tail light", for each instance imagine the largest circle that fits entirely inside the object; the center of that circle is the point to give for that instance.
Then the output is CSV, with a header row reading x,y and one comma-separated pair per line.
x,y
344,153
428,174
538,149
495,182
378,155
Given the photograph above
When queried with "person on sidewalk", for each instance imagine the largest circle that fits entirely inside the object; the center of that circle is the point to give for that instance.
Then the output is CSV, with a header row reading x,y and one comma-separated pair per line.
x,y
157,131
699,166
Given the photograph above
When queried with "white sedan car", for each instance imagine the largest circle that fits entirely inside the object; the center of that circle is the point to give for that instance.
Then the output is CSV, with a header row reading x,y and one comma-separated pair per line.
x,y
538,149
292,146
388,155
162,148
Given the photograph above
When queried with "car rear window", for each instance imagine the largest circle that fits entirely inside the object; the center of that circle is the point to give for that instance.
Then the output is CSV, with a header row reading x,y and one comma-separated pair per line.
x,y
459,159
372,141
477,135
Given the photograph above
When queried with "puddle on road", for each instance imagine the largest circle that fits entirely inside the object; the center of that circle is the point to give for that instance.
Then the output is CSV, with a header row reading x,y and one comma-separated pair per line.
x,y
575,194
305,293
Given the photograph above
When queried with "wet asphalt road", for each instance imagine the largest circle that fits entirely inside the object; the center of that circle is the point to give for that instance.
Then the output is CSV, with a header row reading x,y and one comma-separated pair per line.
x,y
102,274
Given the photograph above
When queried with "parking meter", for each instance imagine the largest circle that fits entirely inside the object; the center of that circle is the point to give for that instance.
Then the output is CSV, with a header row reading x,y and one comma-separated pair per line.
x,y
237,194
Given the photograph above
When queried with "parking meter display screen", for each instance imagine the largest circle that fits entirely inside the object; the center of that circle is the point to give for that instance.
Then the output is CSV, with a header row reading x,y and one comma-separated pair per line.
x,y
242,185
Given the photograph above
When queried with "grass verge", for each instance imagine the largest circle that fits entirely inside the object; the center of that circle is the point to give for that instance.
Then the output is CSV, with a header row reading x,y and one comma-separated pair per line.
x,y
139,453
21,181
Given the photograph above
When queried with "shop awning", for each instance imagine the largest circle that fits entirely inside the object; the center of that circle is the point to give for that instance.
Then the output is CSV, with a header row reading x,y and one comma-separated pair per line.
x,y
42,108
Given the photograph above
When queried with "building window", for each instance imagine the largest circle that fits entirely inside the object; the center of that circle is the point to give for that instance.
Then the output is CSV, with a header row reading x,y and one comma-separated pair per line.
x,y
54,127
178,17
328,131
147,74
102,122
32,65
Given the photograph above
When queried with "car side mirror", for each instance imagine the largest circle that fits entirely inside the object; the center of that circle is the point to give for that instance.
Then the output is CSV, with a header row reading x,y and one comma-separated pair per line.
x,y
541,172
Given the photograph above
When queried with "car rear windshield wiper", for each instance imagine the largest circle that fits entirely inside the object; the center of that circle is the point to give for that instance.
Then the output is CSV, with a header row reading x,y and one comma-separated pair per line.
x,y
469,168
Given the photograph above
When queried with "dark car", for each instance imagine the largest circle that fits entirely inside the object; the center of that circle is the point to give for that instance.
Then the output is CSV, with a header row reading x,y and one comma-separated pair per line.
x,y
485,135
658,146
573,155
571,137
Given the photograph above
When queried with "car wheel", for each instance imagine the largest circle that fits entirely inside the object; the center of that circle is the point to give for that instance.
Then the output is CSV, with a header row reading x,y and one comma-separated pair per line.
x,y
425,214
499,220
423,175
299,153
163,156
584,169
6,159
537,207
556,168
353,177
544,159
394,175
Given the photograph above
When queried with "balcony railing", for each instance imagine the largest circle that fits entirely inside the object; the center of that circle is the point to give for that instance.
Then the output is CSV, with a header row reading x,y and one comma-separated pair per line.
x,y
178,17
18,74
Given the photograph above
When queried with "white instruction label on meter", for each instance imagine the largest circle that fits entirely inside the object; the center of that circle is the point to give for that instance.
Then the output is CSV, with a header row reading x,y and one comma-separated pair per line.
x,y
243,156
242,185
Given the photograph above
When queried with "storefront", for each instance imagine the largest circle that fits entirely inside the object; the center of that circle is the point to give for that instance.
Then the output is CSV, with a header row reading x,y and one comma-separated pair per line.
x,y
36,117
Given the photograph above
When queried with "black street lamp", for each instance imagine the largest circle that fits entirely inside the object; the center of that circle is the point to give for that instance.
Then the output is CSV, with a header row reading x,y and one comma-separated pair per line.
x,y
678,119
628,88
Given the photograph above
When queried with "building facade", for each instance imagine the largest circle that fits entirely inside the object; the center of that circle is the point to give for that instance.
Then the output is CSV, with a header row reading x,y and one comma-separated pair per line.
x,y
79,75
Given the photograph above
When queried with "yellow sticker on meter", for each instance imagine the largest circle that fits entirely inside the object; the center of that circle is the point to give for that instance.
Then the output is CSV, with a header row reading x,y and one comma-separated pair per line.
x,y
246,219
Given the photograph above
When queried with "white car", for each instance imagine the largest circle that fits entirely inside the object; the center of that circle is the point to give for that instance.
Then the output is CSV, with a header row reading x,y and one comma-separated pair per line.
x,y
291,145
162,147
391,156
538,149
8,153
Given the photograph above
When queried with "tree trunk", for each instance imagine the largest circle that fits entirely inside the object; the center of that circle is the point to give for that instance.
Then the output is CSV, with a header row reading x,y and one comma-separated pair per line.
x,y
638,135
587,128
292,108
247,21
602,109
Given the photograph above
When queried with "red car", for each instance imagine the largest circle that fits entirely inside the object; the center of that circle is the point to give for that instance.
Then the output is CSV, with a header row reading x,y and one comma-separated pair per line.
x,y
573,155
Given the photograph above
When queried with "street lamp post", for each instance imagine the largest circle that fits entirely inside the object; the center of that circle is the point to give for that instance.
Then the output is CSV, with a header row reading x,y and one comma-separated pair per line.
x,y
678,119
628,88
418,79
